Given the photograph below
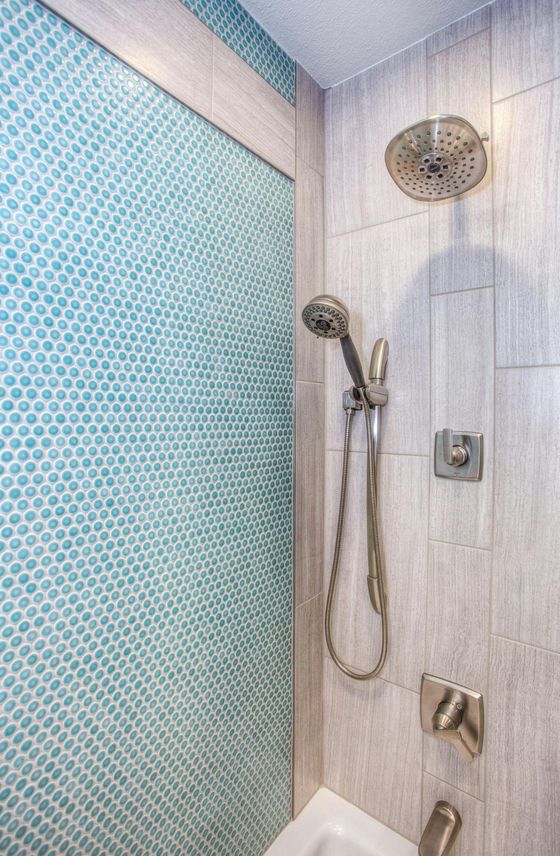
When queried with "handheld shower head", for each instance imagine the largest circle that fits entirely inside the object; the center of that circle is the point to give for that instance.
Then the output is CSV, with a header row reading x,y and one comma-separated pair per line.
x,y
327,316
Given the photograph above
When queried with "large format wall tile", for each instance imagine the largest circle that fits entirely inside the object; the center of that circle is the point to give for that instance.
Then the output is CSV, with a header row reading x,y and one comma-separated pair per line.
x,y
523,751
387,272
373,748
310,125
309,493
457,618
403,492
158,38
309,262
231,22
458,30
526,597
308,698
362,116
527,227
147,439
461,251
245,106
463,398
525,35
471,837
458,610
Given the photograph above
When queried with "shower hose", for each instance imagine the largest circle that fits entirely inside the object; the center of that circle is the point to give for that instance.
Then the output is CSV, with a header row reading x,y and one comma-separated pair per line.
x,y
372,467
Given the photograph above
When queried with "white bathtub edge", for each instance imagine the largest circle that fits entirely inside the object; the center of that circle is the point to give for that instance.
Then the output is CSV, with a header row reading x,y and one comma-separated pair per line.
x,y
328,812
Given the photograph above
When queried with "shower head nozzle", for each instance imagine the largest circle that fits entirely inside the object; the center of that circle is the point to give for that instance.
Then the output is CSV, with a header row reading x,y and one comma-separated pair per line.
x,y
436,159
326,316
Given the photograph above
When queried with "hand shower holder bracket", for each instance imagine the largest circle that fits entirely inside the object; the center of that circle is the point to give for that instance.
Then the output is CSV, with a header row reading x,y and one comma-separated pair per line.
x,y
349,402
377,395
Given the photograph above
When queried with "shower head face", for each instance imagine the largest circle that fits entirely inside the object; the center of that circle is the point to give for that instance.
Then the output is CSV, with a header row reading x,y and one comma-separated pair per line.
x,y
436,159
326,316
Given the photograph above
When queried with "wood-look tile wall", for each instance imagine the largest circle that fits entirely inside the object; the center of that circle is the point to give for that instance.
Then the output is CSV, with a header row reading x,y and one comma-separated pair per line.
x,y
310,452
468,294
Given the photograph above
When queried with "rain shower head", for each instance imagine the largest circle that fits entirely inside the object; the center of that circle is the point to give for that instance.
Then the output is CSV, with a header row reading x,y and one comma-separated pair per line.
x,y
438,158
327,316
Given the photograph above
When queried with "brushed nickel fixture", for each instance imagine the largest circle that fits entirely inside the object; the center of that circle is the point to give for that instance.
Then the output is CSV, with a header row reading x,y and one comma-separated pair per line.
x,y
454,714
458,455
437,158
328,317
441,830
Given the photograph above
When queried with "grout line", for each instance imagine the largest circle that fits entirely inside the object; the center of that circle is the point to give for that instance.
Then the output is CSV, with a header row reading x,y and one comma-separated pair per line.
x,y
461,290
525,644
304,380
375,225
309,599
528,89
458,544
381,452
455,787
429,484
495,349
532,366
459,41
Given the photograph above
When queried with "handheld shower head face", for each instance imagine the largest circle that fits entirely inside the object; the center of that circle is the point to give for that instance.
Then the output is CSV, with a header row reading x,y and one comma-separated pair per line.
x,y
326,316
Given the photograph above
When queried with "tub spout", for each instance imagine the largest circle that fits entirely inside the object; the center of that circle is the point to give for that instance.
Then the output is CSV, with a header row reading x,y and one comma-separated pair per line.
x,y
441,830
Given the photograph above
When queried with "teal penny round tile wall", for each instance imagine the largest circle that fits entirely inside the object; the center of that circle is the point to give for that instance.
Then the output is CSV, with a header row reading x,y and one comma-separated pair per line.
x,y
239,30
146,454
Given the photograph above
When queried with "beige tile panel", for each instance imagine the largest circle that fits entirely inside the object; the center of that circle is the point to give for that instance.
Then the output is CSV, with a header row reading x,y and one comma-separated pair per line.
x,y
525,38
458,610
373,749
161,39
309,490
362,116
471,837
457,619
249,109
463,398
308,714
385,272
526,582
458,30
523,751
309,267
461,228
527,227
310,121
403,489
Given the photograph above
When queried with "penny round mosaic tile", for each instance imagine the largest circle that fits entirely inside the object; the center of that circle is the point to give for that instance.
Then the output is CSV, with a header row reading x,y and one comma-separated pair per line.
x,y
146,464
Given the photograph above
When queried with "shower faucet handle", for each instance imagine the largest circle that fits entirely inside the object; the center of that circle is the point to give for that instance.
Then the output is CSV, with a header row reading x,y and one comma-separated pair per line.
x,y
458,454
455,456
453,713
446,721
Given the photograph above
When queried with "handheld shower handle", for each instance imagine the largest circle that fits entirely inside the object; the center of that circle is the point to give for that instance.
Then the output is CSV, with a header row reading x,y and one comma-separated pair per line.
x,y
352,361
378,361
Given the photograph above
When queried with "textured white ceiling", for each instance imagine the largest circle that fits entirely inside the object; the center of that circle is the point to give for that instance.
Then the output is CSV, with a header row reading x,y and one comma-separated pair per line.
x,y
335,39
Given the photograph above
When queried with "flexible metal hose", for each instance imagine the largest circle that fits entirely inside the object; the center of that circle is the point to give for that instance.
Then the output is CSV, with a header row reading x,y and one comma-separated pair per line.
x,y
371,463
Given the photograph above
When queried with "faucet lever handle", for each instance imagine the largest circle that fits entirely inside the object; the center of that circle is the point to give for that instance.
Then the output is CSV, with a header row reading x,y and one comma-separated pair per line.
x,y
455,737
445,724
455,456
